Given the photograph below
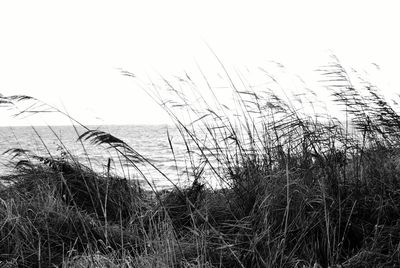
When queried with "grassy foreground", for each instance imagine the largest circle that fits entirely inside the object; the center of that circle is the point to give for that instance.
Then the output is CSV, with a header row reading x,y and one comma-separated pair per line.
x,y
298,192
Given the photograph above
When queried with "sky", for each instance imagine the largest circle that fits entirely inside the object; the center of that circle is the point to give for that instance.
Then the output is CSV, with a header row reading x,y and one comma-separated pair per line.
x,y
70,53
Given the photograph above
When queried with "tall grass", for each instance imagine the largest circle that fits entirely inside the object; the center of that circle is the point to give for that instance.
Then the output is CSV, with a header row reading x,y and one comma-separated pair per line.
x,y
273,185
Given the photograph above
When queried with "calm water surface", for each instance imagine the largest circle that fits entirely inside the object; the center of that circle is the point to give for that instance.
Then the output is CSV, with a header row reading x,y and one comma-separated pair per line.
x,y
150,141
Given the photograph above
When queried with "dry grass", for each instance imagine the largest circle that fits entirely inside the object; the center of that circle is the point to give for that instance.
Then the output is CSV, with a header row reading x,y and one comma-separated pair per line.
x,y
298,190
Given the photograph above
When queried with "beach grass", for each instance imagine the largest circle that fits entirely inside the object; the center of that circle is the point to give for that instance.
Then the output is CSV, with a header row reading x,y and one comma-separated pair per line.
x,y
295,189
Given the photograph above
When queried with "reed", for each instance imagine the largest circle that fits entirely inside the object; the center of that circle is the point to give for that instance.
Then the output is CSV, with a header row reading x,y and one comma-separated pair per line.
x,y
295,189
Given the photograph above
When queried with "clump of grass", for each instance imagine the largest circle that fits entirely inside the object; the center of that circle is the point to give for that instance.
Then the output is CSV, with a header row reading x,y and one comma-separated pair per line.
x,y
107,197
50,212
299,189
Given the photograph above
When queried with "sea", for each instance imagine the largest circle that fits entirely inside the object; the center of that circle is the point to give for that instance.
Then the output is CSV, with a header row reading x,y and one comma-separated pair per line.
x,y
162,145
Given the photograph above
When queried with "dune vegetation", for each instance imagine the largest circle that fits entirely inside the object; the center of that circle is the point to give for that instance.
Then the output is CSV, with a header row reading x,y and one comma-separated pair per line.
x,y
297,189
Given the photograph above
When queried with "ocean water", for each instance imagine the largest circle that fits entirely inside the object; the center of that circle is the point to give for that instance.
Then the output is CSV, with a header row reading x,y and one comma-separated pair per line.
x,y
149,140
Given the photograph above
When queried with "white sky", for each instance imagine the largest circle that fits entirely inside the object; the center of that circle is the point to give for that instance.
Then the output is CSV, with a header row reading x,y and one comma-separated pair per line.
x,y
68,52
